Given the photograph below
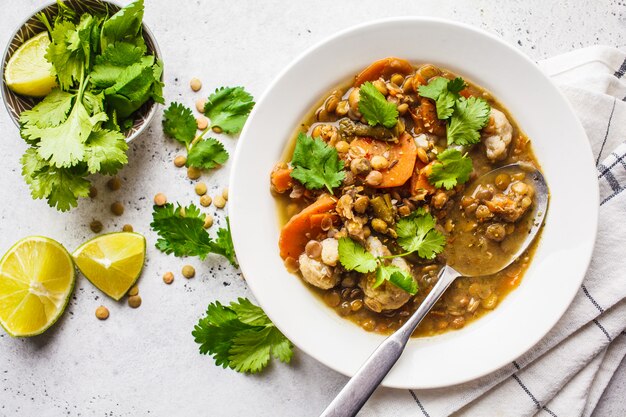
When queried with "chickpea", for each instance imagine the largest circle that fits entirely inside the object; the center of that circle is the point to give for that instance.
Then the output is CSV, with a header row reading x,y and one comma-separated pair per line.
x,y
331,103
374,178
360,166
168,278
342,108
206,200
200,188
160,199
526,202
193,173
117,208
208,221
353,100
102,313
189,271
342,146
180,161
200,103
440,199
502,181
380,86
202,122
379,162
195,84
519,187
379,225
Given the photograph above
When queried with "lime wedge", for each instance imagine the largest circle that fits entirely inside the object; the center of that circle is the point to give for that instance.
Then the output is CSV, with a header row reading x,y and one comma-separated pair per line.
x,y
112,262
28,72
36,280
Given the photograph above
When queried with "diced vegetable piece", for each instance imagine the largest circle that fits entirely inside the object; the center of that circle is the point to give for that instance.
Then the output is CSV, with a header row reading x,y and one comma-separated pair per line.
x,y
281,179
404,152
419,181
383,68
304,226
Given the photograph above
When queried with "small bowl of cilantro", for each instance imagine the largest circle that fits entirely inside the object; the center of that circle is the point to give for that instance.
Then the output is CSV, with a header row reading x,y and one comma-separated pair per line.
x,y
81,79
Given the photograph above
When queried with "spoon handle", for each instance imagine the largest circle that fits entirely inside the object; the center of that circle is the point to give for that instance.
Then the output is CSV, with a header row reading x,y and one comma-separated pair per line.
x,y
363,384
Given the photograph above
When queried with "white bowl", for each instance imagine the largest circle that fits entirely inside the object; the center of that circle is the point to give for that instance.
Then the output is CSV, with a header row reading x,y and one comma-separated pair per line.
x,y
562,149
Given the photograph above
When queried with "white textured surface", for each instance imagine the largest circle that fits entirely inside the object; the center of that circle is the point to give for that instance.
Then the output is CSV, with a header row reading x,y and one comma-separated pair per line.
x,y
144,361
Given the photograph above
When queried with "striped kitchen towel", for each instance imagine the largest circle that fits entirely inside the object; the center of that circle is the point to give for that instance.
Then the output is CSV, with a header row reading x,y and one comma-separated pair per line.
x,y
565,373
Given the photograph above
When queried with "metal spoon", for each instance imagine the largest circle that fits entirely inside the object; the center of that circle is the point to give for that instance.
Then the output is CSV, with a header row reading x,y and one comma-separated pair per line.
x,y
363,384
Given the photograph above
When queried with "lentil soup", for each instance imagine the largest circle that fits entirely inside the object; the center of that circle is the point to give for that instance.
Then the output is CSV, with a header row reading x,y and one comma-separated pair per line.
x,y
371,200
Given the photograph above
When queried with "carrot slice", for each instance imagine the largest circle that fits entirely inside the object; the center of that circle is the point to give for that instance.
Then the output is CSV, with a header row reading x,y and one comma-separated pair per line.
x,y
419,180
281,179
304,226
404,152
383,68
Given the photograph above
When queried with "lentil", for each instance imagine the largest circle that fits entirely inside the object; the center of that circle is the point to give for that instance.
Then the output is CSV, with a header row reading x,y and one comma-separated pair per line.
x,y
180,161
102,313
200,188
117,208
205,200
160,199
193,173
96,226
208,221
195,84
114,184
168,277
134,301
219,201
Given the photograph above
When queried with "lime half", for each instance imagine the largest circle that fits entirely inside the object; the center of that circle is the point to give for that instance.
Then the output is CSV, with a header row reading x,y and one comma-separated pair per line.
x,y
112,262
36,280
28,72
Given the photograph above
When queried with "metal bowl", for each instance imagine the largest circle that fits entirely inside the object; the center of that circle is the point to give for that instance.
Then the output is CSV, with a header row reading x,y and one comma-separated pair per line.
x,y
16,103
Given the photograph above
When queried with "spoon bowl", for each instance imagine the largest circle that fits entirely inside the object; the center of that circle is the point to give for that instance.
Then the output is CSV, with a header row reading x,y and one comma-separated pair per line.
x,y
363,384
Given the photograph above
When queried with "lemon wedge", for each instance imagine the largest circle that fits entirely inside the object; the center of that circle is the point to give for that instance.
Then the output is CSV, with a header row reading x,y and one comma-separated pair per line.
x,y
28,72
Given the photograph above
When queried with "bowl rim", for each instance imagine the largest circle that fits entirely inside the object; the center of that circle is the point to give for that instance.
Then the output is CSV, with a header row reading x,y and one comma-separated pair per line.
x,y
148,33
592,193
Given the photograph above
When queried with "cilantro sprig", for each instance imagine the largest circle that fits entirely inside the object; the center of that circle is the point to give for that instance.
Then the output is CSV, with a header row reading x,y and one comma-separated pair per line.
x,y
451,168
375,108
181,232
466,116
416,234
241,337
316,165
228,108
203,153
354,257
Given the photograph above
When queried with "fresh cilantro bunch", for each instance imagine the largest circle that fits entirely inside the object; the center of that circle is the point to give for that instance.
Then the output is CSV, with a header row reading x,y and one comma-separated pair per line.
x,y
375,108
416,234
104,75
181,232
241,337
228,108
465,116
202,153
316,164
451,168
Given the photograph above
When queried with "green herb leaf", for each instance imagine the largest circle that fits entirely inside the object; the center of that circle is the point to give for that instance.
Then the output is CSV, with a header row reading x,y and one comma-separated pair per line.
x,y
124,26
228,108
316,164
397,277
470,115
179,123
207,153
181,232
445,93
113,61
105,152
51,111
375,108
451,168
416,233
354,257
241,337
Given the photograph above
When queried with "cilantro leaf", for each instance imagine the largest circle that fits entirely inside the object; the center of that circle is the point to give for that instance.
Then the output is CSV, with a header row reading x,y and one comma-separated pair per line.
x,y
207,153
470,115
105,152
397,277
416,233
375,108
228,108
316,164
451,169
445,93
132,88
124,26
354,257
51,111
112,62
179,123
181,232
241,337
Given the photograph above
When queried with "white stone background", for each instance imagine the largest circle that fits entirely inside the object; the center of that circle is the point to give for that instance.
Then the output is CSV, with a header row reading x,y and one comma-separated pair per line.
x,y
144,361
